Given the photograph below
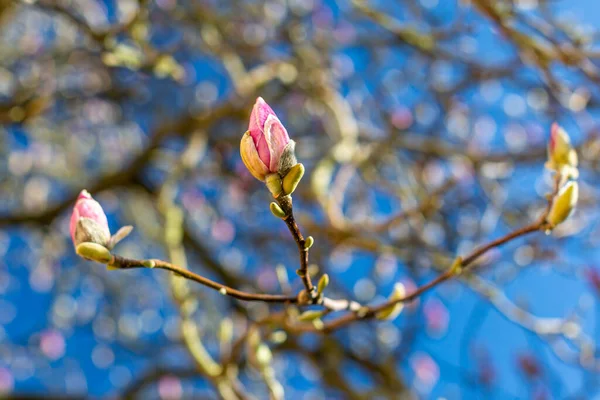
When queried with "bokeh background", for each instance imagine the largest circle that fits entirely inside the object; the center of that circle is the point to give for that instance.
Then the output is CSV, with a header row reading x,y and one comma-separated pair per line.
x,y
422,125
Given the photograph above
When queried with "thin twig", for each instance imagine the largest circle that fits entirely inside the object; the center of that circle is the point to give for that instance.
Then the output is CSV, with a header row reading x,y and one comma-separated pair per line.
x,y
370,312
285,202
455,270
127,263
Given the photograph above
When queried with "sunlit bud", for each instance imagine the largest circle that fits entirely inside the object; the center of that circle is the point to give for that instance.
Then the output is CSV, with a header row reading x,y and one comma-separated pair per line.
x,y
266,147
564,203
561,155
394,310
273,182
276,210
93,252
308,242
323,283
88,221
292,178
310,315
457,265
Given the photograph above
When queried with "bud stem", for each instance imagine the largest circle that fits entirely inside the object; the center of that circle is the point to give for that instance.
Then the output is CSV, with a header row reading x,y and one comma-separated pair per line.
x,y
285,202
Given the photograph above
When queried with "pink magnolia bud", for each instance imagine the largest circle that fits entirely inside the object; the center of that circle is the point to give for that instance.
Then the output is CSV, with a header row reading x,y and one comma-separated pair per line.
x,y
88,221
266,147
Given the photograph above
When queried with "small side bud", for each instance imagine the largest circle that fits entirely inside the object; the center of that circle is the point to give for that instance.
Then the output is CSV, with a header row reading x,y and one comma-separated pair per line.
x,y
310,315
456,266
292,178
273,182
308,242
391,312
564,203
323,283
276,210
93,252
318,324
148,263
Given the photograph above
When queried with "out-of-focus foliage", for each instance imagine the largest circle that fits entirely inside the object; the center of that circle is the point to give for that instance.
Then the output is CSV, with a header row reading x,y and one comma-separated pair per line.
x,y
422,125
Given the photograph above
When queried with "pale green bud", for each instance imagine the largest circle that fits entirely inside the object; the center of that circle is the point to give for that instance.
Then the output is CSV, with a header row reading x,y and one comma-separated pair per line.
x,y
94,252
310,315
292,178
323,283
276,210
273,182
308,242
564,203
391,312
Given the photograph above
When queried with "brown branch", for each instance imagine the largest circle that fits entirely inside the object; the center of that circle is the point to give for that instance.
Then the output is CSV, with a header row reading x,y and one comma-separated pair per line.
x,y
285,202
127,263
370,312
455,270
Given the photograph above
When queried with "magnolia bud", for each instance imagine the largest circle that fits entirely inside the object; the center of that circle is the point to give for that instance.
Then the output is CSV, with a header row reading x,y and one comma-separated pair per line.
x,y
93,252
323,283
292,178
561,155
266,147
564,203
88,221
394,310
310,315
276,210
308,242
273,182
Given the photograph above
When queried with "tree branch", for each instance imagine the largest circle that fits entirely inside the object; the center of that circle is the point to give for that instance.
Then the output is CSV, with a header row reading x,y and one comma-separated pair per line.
x,y
128,263
285,202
